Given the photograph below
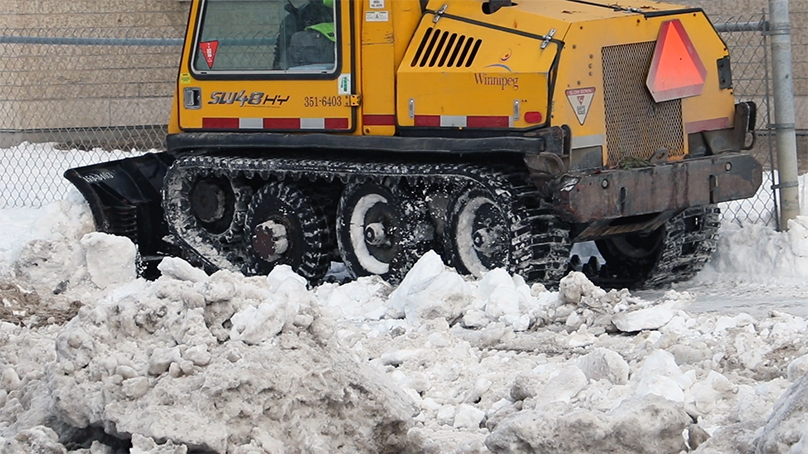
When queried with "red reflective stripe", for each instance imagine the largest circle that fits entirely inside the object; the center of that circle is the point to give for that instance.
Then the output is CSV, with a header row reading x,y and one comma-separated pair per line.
x,y
220,123
379,120
479,121
707,125
281,123
427,120
336,123
487,122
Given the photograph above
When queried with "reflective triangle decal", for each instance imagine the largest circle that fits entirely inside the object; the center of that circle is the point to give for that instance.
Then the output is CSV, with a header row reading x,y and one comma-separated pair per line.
x,y
580,100
209,49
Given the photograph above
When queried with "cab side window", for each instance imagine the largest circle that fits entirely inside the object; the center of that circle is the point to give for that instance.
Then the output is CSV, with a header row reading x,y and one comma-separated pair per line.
x,y
266,36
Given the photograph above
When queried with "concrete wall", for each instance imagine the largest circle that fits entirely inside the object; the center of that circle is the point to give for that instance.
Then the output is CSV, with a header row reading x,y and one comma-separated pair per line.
x,y
44,86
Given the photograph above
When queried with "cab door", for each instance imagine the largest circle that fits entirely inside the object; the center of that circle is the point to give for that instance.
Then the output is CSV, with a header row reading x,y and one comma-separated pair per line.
x,y
269,65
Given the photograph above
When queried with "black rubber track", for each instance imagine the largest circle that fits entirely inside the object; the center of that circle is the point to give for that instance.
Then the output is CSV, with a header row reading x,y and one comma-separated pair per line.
x,y
685,244
539,241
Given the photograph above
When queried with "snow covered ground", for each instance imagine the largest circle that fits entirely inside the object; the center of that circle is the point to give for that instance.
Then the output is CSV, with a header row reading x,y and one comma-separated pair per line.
x,y
95,360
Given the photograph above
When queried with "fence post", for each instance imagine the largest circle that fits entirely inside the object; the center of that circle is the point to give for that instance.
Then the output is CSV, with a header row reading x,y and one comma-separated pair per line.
x,y
785,134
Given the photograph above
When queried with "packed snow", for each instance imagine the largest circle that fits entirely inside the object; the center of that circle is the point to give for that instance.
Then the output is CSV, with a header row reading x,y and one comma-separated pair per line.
x,y
95,360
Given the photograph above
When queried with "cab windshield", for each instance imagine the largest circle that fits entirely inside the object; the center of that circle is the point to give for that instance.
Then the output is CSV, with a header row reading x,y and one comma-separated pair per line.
x,y
237,36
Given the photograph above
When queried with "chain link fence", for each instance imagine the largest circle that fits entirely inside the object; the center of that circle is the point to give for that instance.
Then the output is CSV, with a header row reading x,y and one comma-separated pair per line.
x,y
746,38
73,97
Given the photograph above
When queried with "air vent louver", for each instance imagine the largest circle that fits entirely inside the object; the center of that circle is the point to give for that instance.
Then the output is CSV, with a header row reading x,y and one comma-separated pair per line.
x,y
443,49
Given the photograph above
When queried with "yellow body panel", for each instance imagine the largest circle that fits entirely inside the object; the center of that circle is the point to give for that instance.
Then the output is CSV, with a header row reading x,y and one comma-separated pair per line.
x,y
507,76
514,72
386,29
582,69
378,81
253,98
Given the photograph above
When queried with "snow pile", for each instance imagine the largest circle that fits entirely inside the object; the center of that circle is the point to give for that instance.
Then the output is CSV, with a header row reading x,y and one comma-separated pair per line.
x,y
754,251
440,364
788,425
221,364
542,369
647,425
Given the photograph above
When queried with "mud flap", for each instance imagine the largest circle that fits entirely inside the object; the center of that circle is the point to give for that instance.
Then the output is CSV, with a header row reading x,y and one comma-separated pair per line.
x,y
125,199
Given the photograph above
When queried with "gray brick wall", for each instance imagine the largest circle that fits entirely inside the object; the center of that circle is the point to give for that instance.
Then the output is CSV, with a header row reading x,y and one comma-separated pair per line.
x,y
79,86
93,13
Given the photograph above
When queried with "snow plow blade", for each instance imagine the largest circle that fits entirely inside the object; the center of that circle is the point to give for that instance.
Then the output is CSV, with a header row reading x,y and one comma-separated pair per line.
x,y
125,199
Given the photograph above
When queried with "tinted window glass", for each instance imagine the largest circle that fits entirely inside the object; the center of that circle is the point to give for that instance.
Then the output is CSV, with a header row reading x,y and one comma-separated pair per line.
x,y
266,36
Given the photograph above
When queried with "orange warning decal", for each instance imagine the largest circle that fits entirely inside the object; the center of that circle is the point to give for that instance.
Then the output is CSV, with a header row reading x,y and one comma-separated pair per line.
x,y
676,69
209,49
580,100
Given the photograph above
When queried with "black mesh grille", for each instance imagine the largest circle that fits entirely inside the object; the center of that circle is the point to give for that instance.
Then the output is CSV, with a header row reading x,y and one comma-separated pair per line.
x,y
636,126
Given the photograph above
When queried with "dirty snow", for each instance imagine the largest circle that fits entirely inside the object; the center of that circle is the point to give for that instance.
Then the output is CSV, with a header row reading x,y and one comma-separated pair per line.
x,y
439,364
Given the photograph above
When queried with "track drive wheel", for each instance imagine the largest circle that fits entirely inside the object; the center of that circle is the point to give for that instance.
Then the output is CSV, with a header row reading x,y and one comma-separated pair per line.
x,y
490,227
216,205
284,227
674,252
210,209
381,229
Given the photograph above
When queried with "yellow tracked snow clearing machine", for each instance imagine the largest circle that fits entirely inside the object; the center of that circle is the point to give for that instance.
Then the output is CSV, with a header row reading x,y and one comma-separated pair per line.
x,y
495,132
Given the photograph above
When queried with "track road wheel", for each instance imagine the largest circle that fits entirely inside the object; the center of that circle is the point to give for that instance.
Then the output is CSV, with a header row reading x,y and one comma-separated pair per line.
x,y
674,252
479,233
212,203
284,227
490,227
207,211
381,229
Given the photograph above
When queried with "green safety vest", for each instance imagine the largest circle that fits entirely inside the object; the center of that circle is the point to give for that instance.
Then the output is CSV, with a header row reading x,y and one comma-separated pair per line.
x,y
326,29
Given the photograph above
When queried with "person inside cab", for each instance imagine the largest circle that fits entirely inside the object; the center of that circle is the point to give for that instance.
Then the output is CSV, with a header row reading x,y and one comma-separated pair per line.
x,y
307,39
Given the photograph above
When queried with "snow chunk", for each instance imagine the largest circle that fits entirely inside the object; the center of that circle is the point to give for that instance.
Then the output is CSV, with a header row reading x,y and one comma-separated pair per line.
x,y
658,363
110,259
144,445
654,317
604,364
713,394
36,440
575,286
177,268
468,417
563,385
649,425
253,325
798,368
429,291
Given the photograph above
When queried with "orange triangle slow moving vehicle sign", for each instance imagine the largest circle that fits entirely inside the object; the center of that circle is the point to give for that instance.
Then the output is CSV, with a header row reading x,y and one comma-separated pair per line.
x,y
676,69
